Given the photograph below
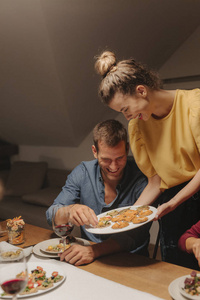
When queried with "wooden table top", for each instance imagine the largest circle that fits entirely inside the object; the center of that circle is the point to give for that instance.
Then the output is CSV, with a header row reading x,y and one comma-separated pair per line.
x,y
131,270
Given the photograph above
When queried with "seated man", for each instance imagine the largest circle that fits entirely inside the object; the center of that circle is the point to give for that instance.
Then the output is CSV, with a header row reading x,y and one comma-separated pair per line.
x,y
93,187
189,243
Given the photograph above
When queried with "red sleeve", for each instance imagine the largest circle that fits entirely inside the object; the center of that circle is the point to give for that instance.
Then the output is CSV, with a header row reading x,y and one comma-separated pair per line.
x,y
194,231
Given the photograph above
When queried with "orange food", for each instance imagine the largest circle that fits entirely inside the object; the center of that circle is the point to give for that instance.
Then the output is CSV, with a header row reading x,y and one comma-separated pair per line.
x,y
145,212
138,220
120,224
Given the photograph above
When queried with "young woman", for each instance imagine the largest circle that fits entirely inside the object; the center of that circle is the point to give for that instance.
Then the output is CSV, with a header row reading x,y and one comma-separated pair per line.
x,y
164,134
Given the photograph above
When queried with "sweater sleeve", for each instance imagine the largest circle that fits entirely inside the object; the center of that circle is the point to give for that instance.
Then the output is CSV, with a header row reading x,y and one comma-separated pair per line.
x,y
194,231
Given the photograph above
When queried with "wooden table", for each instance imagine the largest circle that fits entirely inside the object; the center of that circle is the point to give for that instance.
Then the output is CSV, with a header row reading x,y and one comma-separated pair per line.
x,y
131,270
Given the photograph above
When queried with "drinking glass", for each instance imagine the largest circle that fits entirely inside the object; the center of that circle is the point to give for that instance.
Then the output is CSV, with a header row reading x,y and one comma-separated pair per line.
x,y
13,272
61,229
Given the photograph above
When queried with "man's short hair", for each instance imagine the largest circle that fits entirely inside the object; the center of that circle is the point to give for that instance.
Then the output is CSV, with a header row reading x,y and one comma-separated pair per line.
x,y
111,132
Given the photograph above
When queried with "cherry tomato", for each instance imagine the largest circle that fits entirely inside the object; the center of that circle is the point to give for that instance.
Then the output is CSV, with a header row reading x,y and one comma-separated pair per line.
x,y
39,282
55,274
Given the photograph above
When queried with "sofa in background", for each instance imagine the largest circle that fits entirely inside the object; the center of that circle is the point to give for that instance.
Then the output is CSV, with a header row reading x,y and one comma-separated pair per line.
x,y
29,189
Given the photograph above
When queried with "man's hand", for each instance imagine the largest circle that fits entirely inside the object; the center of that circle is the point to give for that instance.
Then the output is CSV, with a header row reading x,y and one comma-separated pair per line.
x,y
77,214
78,255
82,215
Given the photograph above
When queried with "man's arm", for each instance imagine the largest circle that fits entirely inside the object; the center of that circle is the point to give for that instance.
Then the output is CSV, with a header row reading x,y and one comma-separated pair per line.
x,y
70,196
130,241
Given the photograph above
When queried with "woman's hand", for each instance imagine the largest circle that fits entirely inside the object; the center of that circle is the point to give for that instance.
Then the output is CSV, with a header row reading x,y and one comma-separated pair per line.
x,y
185,193
164,209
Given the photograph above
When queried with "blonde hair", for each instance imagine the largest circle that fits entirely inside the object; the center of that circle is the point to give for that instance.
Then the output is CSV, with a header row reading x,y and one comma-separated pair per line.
x,y
123,76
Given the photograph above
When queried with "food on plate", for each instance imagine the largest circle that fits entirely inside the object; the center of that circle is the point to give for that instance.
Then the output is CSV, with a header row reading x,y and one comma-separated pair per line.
x,y
11,254
45,284
122,218
146,212
142,207
30,288
123,211
15,228
130,212
104,222
118,218
113,213
55,277
38,280
127,215
138,220
192,284
58,247
120,224
38,274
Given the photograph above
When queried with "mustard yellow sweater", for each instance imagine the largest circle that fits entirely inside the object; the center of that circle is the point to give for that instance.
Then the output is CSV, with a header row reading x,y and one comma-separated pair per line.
x,y
169,147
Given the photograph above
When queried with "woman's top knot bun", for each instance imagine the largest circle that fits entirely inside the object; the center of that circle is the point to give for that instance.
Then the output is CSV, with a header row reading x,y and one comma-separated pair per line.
x,y
105,62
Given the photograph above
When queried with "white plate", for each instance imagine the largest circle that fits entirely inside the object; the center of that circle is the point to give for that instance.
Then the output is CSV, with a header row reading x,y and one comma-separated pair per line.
x,y
37,248
110,230
186,295
4,246
174,289
52,242
49,268
175,292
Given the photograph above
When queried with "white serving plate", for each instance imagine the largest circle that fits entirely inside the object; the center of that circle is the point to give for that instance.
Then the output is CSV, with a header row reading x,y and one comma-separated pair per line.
x,y
110,230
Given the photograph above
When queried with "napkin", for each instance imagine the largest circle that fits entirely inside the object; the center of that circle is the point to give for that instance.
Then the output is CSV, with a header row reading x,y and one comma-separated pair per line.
x,y
4,246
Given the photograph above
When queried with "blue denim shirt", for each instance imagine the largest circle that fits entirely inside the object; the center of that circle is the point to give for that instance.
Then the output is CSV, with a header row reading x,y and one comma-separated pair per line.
x,y
84,185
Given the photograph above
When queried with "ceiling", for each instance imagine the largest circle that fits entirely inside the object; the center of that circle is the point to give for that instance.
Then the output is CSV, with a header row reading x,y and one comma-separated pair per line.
x,y
48,86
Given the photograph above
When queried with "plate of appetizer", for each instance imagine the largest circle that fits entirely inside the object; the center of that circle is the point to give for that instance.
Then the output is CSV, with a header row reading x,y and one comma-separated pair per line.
x,y
41,279
174,290
55,246
51,248
123,219
189,286
10,252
